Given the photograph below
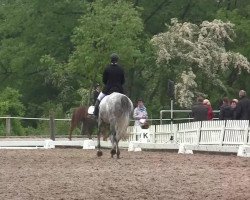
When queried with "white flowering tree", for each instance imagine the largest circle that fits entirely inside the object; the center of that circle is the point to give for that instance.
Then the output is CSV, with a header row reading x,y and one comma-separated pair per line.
x,y
185,87
198,57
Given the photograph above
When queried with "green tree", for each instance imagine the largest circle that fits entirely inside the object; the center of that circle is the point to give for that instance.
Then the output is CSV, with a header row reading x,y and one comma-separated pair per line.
x,y
106,27
29,30
10,102
241,18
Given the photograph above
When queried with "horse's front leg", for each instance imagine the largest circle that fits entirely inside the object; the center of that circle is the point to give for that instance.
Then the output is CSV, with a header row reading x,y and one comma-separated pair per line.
x,y
89,134
70,131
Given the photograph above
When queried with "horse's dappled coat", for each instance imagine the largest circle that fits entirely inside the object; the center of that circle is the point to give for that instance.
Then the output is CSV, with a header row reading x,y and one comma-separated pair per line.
x,y
116,110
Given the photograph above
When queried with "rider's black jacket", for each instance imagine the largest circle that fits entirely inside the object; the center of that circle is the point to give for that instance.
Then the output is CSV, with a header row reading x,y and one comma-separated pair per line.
x,y
113,78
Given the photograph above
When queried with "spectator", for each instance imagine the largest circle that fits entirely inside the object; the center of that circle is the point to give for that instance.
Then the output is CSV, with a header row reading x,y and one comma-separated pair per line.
x,y
243,106
210,114
199,111
140,113
233,107
226,112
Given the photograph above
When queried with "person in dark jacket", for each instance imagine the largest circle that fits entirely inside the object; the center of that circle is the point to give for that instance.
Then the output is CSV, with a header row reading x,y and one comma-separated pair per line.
x,y
113,79
226,112
199,111
233,107
243,106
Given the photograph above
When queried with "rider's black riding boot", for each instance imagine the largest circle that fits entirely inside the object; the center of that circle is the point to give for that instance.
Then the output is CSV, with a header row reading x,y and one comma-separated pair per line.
x,y
96,111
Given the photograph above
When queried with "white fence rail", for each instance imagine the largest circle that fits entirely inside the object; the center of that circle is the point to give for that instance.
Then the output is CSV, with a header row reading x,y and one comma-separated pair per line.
x,y
52,122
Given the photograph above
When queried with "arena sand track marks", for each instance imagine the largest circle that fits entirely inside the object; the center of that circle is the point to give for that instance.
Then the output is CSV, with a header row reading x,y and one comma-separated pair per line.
x,y
79,174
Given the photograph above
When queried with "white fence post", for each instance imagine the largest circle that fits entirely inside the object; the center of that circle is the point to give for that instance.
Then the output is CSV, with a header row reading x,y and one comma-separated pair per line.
x,y
245,136
222,135
52,126
153,137
198,135
8,126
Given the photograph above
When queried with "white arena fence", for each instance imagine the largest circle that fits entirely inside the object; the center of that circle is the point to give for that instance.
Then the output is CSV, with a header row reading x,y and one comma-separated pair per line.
x,y
231,136
215,135
214,132
218,135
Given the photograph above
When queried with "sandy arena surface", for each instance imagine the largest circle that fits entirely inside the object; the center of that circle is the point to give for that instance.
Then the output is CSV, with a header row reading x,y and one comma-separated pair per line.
x,y
78,174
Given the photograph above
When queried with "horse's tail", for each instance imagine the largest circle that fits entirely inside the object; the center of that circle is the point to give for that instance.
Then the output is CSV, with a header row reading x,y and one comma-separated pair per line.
x,y
123,120
127,106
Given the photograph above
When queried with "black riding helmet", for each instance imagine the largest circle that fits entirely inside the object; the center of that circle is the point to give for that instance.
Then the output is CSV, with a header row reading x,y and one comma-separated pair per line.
x,y
114,57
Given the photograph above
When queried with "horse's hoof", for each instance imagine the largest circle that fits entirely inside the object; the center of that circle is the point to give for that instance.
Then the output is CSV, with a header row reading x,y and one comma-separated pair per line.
x,y
99,153
112,152
118,155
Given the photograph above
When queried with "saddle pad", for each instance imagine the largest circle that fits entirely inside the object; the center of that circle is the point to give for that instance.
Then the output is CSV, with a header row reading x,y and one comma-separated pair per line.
x,y
91,110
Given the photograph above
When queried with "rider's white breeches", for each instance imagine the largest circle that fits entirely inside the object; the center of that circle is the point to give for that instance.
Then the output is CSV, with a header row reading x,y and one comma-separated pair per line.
x,y
101,96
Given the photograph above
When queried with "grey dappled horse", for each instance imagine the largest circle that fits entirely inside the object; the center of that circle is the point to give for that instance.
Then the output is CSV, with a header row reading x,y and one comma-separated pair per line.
x,y
115,110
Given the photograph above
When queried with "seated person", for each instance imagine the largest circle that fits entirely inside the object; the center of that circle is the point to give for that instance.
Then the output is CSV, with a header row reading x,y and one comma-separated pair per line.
x,y
140,113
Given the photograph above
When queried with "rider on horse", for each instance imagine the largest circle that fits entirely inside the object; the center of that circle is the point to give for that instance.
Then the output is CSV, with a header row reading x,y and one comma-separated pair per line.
x,y
113,79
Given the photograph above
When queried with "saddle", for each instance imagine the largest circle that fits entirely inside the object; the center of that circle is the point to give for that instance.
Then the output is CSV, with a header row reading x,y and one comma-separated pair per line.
x,y
114,89
91,109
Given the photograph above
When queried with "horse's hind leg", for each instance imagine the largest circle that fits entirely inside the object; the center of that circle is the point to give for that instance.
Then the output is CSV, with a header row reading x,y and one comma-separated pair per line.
x,y
113,150
99,151
117,149
117,139
113,141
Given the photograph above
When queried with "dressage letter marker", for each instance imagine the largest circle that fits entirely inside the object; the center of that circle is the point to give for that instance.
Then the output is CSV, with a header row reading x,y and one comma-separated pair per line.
x,y
144,136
